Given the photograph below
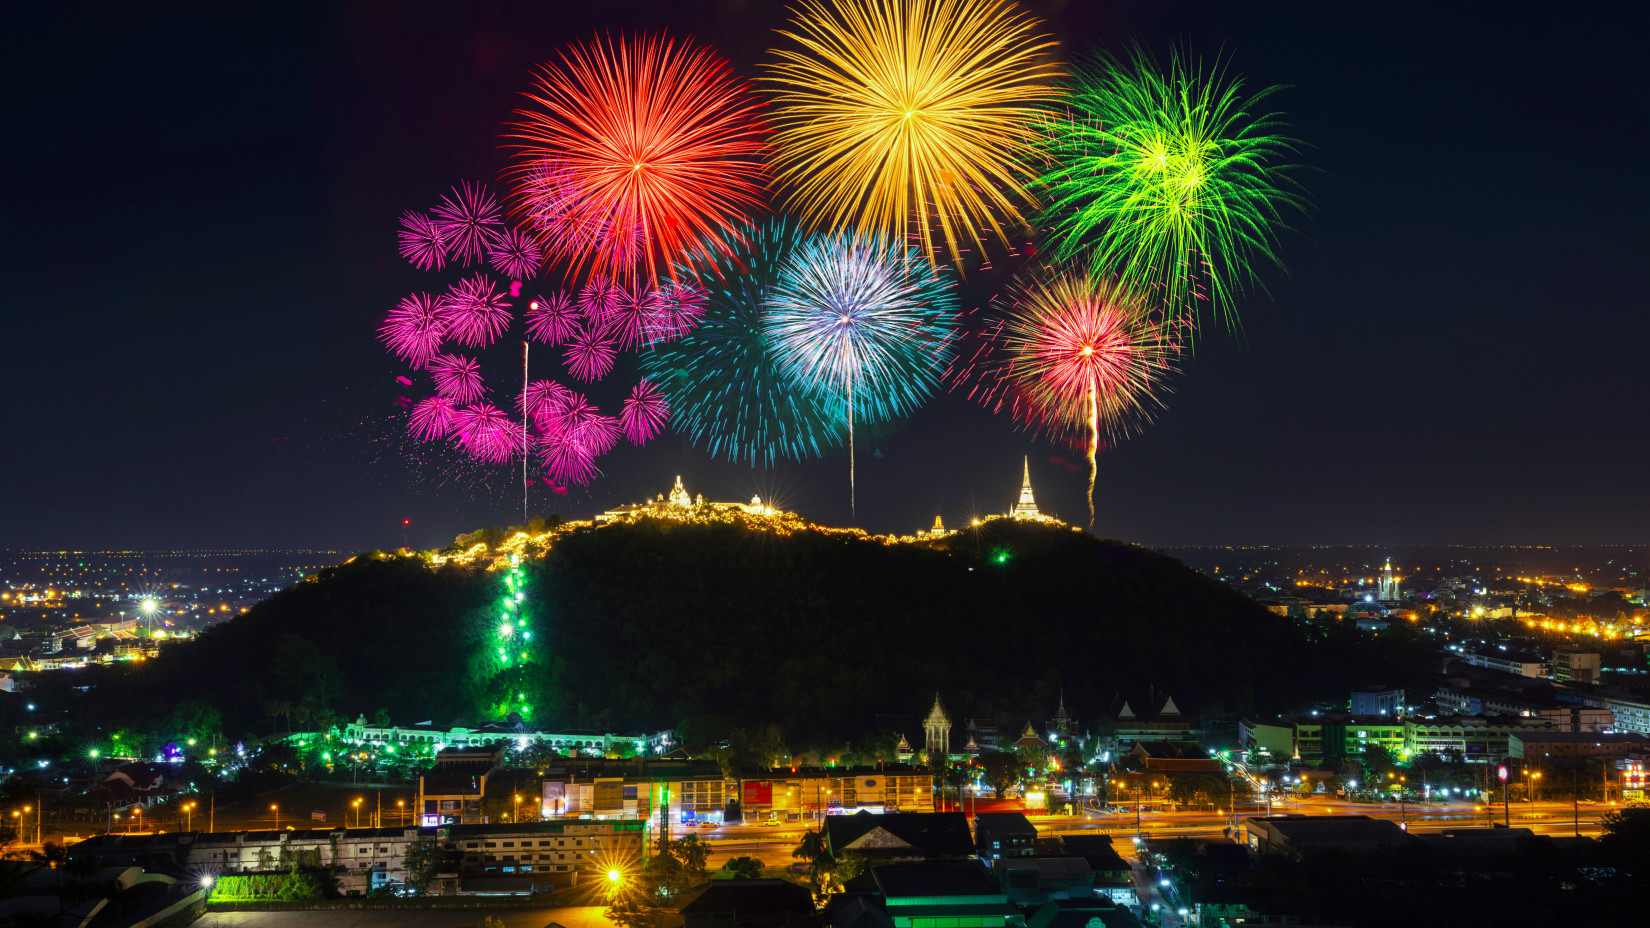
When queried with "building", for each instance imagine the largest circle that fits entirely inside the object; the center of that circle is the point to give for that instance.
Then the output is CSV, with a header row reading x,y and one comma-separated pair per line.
x,y
1518,663
1182,756
1631,713
1312,738
679,505
936,732
1576,666
1093,912
517,857
999,835
1387,586
1161,721
735,903
1294,834
1476,739
910,836
955,894
510,731
1250,905
363,859
451,792
1113,877
1375,700
1567,716
1026,508
1541,746
793,793
1029,881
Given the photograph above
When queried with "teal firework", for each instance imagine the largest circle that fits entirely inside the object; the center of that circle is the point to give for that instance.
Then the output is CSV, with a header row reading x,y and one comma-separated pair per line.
x,y
1176,182
724,389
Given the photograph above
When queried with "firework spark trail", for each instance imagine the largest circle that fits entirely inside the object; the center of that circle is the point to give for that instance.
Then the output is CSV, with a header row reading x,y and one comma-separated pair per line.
x,y
469,222
658,138
1080,356
1173,181
644,413
864,325
415,329
456,377
900,117
422,243
552,320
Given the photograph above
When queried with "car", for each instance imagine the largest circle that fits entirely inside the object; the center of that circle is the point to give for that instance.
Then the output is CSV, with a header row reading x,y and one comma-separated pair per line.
x,y
768,823
707,825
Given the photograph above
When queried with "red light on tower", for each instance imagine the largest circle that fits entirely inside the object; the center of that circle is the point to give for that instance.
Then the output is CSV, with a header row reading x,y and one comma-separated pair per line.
x,y
406,522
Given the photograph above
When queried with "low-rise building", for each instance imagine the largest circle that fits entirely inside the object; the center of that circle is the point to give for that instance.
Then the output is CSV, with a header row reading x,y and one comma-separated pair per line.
x,y
1504,660
1180,756
1478,739
451,792
999,835
1576,666
908,836
1377,701
1539,747
1293,834
955,894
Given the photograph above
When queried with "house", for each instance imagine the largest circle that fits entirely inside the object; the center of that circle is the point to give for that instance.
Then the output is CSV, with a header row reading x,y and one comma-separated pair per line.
x,y
1226,905
450,794
1113,877
1029,881
904,836
1292,834
956,894
1004,834
750,904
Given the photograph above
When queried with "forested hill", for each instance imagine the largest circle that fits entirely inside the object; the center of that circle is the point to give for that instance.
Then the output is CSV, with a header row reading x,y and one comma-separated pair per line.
x,y
712,626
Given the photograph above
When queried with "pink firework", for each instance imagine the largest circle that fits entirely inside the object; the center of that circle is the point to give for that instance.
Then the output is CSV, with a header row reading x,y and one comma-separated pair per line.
x,y
634,317
543,400
456,377
468,220
567,460
681,306
598,433
515,255
552,320
598,300
590,354
490,436
643,414
422,242
475,312
432,419
414,329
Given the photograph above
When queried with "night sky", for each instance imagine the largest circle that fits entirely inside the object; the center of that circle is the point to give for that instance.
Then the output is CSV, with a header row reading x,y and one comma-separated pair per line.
x,y
200,225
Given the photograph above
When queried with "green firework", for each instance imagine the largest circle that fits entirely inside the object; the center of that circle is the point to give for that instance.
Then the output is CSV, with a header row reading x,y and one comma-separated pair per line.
x,y
1176,182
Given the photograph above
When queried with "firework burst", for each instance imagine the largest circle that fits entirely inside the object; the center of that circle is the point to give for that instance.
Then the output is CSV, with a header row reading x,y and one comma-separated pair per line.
x,y
490,435
457,378
432,419
724,391
475,313
591,353
422,243
864,327
1080,357
653,144
552,320
644,413
1174,181
415,329
901,117
515,254
469,222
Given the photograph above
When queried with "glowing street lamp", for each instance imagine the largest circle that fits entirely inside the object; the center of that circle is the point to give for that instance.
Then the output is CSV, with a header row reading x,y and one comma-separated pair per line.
x,y
357,805
275,808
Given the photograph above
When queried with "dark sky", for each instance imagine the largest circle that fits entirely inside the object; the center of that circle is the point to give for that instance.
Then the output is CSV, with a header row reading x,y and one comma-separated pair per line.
x,y
199,239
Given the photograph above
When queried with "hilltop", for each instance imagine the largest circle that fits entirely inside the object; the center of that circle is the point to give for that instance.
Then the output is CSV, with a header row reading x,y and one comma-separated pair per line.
x,y
657,623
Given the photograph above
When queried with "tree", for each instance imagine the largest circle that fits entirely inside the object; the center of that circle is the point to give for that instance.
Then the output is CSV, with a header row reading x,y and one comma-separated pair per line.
x,y
424,859
691,852
1001,769
744,868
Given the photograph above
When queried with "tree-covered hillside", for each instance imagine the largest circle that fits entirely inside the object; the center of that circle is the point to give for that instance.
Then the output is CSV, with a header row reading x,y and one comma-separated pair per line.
x,y
715,626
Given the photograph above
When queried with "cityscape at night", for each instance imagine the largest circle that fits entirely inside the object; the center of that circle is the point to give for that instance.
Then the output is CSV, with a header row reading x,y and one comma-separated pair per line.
x,y
824,464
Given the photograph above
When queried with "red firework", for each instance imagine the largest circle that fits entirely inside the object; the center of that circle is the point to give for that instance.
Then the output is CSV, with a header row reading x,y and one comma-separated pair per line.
x,y
422,242
468,220
415,328
645,146
553,320
643,414
476,313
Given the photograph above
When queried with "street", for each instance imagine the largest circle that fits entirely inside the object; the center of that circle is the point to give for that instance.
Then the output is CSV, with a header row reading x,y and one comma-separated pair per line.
x,y
580,917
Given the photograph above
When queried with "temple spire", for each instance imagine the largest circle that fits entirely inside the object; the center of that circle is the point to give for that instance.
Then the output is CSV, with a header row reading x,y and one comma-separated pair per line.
x,y
1026,508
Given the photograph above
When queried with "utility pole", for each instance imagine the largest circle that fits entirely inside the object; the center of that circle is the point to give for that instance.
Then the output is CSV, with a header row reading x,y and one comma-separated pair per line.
x,y
1575,797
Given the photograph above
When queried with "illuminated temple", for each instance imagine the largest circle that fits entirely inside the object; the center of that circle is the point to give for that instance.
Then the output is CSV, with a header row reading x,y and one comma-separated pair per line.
x,y
680,505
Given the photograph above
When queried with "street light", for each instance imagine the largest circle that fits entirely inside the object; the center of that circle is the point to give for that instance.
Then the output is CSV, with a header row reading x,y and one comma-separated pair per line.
x,y
401,807
275,808
517,814
189,816
357,805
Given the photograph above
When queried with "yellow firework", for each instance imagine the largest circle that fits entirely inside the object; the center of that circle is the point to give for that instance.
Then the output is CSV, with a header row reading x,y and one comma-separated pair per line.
x,y
902,117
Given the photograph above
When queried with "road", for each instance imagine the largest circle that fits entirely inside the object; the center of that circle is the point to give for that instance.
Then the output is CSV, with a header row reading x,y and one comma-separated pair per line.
x,y
580,917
